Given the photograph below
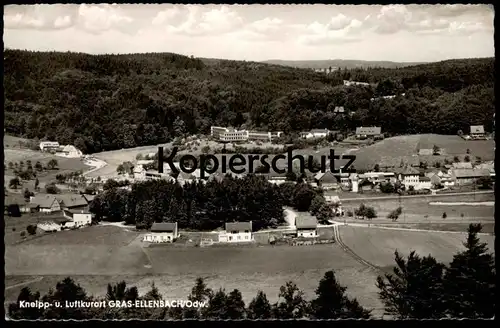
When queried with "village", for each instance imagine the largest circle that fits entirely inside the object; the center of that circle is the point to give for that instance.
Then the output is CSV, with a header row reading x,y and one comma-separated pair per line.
x,y
404,179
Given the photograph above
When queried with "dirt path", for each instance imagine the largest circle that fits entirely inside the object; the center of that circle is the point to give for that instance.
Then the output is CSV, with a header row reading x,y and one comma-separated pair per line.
x,y
24,283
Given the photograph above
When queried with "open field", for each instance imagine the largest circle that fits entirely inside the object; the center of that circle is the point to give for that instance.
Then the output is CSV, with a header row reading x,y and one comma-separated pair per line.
x,y
65,165
13,142
405,148
488,227
378,245
94,257
416,208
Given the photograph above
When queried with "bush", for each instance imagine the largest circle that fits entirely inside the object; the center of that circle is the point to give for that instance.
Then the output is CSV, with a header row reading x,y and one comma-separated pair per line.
x,y
23,234
444,215
350,214
31,229
13,229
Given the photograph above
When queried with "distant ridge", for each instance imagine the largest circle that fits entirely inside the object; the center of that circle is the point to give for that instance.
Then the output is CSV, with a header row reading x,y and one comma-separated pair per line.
x,y
341,63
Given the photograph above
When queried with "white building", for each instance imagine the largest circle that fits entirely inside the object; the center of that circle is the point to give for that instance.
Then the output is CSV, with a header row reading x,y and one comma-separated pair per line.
x,y
165,232
352,83
315,133
77,218
306,227
237,232
49,145
69,151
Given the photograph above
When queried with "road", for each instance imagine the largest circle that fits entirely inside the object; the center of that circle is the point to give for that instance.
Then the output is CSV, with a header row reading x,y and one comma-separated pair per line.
x,y
24,283
420,196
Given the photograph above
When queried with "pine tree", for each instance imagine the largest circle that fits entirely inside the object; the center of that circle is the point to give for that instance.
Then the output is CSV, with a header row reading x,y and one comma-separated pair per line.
x,y
415,289
15,311
259,307
200,293
332,303
470,280
152,294
217,306
235,307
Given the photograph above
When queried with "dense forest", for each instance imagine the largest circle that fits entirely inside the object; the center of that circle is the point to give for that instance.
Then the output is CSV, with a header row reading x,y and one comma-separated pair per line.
x,y
106,102
419,287
207,206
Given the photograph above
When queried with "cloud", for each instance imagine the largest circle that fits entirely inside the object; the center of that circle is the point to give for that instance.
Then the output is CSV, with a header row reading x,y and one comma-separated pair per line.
x,y
62,22
213,22
166,15
339,29
42,17
22,21
427,19
99,18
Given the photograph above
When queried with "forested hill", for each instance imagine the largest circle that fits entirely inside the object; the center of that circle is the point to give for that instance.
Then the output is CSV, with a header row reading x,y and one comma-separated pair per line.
x,y
340,63
110,102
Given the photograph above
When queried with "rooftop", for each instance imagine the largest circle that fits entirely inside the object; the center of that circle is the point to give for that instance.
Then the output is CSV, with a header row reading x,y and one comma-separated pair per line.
x,y
239,226
306,222
164,227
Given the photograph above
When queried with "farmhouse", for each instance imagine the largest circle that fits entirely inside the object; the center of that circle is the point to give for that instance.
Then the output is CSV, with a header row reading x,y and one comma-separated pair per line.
x,y
306,227
373,132
468,176
477,131
72,202
424,183
236,232
410,177
77,218
46,203
165,232
49,145
327,180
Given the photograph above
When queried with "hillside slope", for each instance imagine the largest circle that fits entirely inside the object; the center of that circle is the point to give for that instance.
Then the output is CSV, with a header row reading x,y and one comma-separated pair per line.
x,y
107,102
339,63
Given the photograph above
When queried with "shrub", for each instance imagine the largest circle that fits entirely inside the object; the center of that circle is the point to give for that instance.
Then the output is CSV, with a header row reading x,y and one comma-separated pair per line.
x,y
23,234
13,229
444,215
31,229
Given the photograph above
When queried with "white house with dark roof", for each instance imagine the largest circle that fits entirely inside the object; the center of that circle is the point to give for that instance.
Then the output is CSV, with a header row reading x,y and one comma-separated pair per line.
x,y
477,131
165,232
46,203
237,232
410,177
306,226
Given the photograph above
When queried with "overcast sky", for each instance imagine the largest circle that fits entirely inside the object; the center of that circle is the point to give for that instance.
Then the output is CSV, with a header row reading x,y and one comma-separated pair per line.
x,y
257,32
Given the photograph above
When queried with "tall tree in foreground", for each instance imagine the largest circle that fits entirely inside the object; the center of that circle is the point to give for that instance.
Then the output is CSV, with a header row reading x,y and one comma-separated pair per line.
x,y
15,311
470,280
415,290
235,307
332,303
200,293
259,307
291,303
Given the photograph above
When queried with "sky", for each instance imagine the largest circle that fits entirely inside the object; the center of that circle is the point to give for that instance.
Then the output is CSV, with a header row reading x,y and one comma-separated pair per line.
x,y
401,33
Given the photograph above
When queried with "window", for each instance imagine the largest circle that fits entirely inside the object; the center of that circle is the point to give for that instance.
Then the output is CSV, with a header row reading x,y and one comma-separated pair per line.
x,y
230,238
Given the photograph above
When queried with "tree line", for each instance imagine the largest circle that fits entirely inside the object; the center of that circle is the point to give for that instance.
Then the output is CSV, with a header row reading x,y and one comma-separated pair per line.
x,y
418,288
207,205
123,101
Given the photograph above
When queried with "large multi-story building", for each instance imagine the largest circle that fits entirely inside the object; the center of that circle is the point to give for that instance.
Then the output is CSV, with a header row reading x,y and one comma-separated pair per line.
x,y
233,135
